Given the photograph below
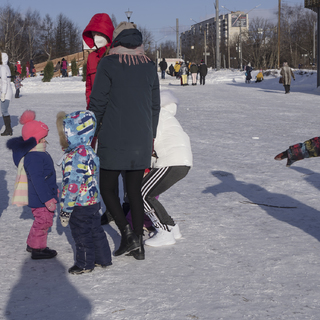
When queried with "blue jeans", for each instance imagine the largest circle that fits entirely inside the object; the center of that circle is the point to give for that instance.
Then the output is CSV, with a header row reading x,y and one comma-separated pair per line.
x,y
5,107
163,73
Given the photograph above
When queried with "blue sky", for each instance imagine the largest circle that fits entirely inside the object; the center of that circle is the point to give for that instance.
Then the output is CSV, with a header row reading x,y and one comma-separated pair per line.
x,y
158,16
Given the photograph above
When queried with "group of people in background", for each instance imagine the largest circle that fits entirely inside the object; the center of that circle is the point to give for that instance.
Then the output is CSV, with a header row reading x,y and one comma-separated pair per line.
x,y
286,74
30,69
248,69
62,67
181,70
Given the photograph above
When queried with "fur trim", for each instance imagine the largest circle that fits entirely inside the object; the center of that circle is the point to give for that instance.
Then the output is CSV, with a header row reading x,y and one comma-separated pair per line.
x,y
62,137
27,116
20,147
19,144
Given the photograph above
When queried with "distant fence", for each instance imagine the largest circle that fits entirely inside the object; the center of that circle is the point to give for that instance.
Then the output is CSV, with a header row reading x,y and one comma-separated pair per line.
x,y
80,57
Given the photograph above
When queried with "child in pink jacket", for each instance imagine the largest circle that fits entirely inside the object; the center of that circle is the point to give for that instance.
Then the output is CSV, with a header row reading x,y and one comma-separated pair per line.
x,y
36,170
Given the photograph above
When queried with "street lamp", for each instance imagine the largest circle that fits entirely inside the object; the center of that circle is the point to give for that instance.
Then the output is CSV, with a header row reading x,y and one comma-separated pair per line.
x,y
128,14
217,36
205,42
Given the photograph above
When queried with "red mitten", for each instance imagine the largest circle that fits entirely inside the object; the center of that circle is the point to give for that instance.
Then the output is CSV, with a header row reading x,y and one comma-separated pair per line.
x,y
51,204
281,156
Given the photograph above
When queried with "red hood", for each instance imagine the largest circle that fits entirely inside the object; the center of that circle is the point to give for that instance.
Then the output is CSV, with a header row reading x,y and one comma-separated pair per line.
x,y
100,22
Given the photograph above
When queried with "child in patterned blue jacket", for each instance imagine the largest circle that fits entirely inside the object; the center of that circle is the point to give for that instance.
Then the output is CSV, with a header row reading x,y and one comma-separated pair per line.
x,y
80,198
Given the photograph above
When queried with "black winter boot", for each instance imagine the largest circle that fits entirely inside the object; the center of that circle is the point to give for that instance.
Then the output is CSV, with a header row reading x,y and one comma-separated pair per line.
x,y
138,253
129,241
45,253
7,123
106,218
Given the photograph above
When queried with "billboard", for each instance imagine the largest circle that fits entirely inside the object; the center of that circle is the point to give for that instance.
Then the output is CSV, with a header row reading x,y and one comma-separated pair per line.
x,y
311,4
239,20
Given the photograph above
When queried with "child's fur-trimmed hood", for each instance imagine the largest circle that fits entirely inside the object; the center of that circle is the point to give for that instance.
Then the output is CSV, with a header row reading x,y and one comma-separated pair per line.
x,y
62,137
76,128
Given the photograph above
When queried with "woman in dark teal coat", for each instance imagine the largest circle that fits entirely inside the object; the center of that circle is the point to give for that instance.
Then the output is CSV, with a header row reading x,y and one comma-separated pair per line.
x,y
126,102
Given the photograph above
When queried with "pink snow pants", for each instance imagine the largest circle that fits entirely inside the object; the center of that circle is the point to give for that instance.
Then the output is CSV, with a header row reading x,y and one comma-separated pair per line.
x,y
43,220
194,77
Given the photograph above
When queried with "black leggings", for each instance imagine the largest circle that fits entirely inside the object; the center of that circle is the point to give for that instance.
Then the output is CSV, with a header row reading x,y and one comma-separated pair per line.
x,y
156,182
133,179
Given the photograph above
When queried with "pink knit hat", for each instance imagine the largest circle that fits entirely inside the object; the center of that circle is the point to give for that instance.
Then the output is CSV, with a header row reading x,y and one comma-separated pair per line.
x,y
31,127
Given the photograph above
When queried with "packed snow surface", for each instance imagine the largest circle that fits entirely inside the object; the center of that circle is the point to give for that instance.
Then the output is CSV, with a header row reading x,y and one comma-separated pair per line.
x,y
251,226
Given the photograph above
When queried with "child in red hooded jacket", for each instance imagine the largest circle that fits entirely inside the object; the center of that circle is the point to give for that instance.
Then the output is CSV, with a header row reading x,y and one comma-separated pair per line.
x,y
97,34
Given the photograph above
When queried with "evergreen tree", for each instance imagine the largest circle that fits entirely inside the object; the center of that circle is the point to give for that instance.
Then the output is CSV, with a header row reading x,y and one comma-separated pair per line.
x,y
74,68
84,71
13,71
48,72
23,71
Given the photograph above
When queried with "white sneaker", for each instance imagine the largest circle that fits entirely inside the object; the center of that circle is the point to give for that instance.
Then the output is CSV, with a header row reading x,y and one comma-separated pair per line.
x,y
161,238
176,231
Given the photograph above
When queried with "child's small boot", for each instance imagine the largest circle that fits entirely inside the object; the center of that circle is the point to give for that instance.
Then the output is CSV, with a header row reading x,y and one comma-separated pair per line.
x,y
45,253
76,270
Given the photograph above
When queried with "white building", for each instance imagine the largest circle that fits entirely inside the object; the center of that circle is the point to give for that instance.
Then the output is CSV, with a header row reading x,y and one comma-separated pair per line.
x,y
231,25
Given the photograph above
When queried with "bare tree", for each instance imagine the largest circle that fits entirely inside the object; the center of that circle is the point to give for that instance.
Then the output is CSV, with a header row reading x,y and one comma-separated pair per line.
x,y
74,41
61,47
147,39
260,43
47,36
11,33
168,49
32,32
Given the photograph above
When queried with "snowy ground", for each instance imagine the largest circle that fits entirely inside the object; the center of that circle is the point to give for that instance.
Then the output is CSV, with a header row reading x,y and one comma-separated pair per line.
x,y
236,260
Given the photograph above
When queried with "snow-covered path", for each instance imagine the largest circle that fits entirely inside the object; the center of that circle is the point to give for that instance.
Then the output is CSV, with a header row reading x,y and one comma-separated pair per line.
x,y
236,260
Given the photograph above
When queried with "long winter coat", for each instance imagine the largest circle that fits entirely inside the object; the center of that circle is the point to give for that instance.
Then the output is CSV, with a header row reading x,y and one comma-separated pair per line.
x,y
183,69
163,65
102,23
17,82
126,102
5,75
40,171
286,74
248,73
203,69
177,67
18,67
194,68
80,166
172,144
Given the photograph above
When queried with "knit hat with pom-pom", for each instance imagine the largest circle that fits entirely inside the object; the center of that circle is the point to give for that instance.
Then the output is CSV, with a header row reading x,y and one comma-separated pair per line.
x,y
31,127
